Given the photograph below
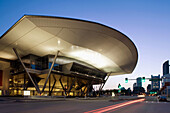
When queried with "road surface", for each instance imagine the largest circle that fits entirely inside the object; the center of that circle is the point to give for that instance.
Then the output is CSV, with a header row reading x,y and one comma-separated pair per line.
x,y
85,106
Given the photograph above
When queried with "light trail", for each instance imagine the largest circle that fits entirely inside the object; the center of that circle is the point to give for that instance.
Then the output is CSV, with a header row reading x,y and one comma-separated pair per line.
x,y
112,107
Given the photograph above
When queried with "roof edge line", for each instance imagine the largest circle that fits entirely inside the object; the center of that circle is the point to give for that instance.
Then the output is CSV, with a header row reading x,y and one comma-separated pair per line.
x,y
17,22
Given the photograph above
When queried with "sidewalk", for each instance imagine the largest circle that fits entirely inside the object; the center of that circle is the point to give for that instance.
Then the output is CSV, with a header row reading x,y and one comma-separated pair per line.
x,y
168,99
49,98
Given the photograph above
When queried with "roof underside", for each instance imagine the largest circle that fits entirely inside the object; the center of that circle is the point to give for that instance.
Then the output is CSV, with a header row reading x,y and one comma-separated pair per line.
x,y
93,43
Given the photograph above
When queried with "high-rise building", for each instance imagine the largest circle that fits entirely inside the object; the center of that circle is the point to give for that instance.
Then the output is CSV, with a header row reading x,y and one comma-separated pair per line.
x,y
139,82
149,88
137,87
155,83
165,90
166,67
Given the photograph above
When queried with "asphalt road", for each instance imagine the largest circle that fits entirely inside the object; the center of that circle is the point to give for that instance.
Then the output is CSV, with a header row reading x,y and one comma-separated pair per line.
x,y
144,107
88,106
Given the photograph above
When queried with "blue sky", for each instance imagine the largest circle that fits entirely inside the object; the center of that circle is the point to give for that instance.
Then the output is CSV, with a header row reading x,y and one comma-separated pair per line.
x,y
145,22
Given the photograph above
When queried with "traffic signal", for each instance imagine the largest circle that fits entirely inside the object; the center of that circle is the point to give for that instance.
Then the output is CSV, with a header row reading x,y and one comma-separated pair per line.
x,y
119,86
126,80
143,79
153,92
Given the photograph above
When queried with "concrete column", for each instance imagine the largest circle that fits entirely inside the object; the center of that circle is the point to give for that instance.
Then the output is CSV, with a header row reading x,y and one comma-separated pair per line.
x,y
5,81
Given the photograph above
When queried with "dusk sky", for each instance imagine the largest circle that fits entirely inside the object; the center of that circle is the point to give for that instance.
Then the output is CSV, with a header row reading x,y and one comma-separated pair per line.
x,y
145,22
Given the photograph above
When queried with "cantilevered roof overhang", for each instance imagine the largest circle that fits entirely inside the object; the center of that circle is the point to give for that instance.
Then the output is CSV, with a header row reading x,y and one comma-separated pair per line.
x,y
98,45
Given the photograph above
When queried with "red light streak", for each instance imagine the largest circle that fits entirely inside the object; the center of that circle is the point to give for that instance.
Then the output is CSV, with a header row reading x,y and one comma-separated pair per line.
x,y
108,108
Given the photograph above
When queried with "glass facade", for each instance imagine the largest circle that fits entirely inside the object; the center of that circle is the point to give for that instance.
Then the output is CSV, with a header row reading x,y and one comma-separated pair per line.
x,y
78,82
21,82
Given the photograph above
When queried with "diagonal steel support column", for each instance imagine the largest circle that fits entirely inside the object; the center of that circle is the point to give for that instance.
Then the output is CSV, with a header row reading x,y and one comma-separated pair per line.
x,y
53,84
82,91
63,86
94,91
36,86
71,86
88,86
49,73
24,82
101,87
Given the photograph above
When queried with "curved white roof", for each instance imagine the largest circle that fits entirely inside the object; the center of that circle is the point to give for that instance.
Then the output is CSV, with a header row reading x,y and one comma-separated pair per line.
x,y
103,47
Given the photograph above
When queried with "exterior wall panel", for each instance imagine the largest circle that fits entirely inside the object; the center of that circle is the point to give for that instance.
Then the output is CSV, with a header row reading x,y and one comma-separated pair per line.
x,y
1,76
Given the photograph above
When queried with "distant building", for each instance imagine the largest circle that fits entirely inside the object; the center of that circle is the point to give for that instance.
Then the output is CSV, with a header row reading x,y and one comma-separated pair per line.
x,y
155,82
149,88
128,91
139,82
166,67
138,90
134,85
137,87
165,84
165,90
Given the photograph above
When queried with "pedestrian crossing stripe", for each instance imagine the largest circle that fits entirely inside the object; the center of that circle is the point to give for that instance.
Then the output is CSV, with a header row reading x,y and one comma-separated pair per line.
x,y
155,102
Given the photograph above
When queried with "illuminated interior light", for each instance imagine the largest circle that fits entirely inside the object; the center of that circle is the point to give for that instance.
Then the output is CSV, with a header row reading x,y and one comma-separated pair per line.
x,y
50,49
7,55
100,50
95,59
59,41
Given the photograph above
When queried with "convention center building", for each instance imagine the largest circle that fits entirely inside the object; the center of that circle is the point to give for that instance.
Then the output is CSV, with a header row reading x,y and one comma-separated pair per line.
x,y
57,56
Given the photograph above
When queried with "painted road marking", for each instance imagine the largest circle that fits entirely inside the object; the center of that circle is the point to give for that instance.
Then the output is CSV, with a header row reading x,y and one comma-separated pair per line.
x,y
153,102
